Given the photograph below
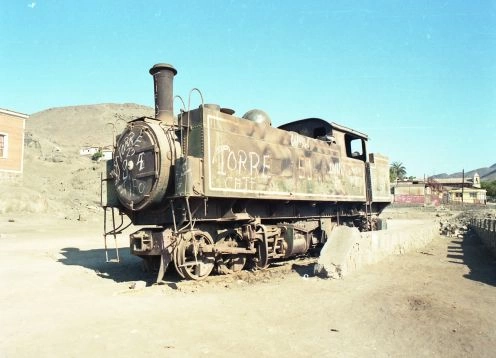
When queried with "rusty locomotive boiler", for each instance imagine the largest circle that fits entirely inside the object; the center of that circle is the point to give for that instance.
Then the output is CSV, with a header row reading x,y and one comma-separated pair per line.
x,y
216,192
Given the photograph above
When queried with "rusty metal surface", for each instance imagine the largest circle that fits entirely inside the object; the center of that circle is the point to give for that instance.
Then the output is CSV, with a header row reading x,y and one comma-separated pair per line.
x,y
243,159
379,168
163,75
142,163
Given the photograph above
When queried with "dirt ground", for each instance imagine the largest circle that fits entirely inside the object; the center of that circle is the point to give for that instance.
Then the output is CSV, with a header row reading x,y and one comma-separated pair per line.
x,y
60,299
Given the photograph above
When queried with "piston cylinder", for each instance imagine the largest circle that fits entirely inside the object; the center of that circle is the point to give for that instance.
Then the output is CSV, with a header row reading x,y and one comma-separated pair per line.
x,y
297,241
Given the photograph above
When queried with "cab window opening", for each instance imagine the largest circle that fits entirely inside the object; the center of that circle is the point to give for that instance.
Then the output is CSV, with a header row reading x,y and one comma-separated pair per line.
x,y
355,147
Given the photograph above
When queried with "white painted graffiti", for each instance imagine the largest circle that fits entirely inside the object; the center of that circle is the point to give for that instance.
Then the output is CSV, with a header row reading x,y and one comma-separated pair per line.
x,y
125,161
240,169
299,141
240,162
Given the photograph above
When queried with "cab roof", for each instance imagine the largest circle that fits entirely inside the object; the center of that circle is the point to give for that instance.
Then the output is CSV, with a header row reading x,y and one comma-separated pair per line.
x,y
316,127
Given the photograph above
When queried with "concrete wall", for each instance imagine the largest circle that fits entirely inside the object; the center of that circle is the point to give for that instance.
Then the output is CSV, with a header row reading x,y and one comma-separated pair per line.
x,y
348,250
486,230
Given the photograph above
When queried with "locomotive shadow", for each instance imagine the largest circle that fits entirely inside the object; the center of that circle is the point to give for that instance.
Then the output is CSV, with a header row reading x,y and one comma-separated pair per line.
x,y
304,270
128,269
303,266
471,251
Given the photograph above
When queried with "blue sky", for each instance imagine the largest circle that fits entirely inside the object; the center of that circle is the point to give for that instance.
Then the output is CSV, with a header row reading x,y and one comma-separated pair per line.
x,y
419,77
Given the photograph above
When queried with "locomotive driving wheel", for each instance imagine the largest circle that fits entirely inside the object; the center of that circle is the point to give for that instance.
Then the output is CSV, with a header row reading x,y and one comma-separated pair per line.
x,y
230,263
190,260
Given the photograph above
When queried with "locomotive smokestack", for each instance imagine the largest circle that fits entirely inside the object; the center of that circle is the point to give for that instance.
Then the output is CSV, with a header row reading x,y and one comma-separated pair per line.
x,y
163,75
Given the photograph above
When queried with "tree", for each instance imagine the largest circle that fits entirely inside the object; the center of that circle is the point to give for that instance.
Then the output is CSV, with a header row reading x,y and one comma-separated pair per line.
x,y
490,186
396,171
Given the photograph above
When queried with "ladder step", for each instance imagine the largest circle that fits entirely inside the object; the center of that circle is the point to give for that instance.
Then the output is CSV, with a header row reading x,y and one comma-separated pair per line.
x,y
113,233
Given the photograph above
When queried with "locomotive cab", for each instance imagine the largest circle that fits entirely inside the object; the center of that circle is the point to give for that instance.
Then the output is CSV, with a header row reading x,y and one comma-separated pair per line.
x,y
355,143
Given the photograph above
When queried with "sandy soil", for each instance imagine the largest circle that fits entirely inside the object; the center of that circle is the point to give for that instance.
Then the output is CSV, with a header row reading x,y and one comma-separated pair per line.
x,y
60,298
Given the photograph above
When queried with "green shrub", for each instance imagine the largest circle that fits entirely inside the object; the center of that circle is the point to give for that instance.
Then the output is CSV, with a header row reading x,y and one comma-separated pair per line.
x,y
96,157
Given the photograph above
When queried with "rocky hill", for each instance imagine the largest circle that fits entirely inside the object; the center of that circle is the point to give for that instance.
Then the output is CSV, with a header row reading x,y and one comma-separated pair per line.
x,y
57,179
486,173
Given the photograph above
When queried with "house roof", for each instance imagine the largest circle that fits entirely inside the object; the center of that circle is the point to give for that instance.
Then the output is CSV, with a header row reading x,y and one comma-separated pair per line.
x,y
452,180
12,113
409,184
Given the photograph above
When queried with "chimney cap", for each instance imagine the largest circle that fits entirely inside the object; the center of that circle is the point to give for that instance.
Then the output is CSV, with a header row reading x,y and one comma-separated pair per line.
x,y
162,66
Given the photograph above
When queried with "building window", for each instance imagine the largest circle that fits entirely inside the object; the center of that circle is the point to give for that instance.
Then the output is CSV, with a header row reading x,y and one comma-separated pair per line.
x,y
4,147
473,195
458,195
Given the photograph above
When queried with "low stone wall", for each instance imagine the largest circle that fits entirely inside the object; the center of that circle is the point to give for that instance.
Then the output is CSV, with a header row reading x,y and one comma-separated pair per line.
x,y
486,231
347,250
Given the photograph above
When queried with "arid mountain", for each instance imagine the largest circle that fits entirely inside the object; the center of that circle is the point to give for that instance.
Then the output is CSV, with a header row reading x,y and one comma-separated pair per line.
x,y
57,179
78,126
486,173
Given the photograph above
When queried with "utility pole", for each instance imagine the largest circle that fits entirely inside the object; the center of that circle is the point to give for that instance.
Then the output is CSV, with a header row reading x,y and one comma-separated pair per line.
x,y
463,182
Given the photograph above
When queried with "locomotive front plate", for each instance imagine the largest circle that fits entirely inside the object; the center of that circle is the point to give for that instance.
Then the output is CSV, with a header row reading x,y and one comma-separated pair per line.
x,y
139,157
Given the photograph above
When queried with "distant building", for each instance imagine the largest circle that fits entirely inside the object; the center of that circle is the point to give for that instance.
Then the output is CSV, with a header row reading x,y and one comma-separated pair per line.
x,y
88,150
416,192
463,190
107,152
463,182
12,126
467,196
436,191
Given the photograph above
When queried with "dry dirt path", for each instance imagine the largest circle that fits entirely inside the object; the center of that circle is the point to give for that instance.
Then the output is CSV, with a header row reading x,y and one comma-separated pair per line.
x,y
59,299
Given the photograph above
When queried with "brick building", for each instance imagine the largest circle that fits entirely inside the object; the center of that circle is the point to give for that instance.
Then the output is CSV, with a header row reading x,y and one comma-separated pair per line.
x,y
11,143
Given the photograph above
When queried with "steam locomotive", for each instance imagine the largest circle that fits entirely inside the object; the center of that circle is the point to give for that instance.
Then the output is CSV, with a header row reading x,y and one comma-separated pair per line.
x,y
217,192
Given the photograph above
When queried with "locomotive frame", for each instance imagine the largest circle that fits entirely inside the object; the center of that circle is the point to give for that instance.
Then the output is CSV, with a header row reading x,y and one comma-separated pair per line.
x,y
216,191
